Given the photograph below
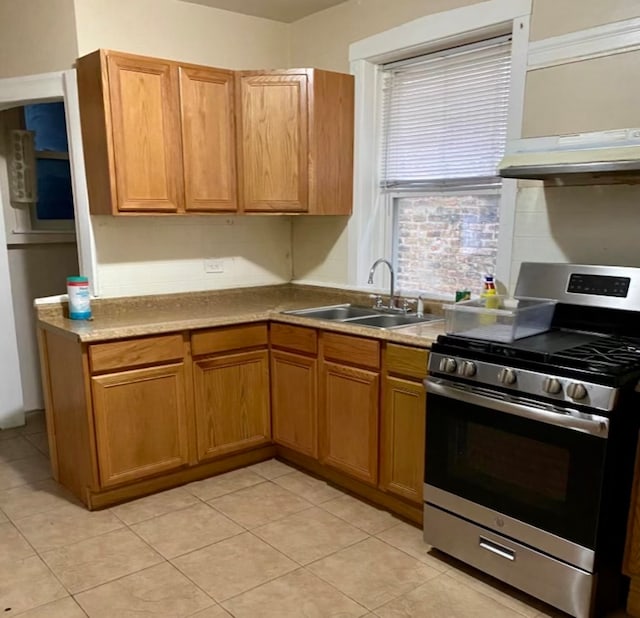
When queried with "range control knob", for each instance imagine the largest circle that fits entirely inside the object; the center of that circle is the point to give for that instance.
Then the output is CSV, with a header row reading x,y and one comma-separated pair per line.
x,y
467,369
575,390
507,376
551,386
448,365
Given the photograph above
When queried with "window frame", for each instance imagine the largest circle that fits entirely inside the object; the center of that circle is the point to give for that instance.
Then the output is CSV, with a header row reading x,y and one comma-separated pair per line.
x,y
44,88
370,229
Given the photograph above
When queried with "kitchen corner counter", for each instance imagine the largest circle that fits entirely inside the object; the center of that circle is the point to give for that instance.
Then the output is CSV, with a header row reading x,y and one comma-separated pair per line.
x,y
120,318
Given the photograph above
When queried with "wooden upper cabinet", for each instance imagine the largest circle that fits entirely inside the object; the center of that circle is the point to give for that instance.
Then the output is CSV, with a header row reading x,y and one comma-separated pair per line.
x,y
129,108
273,142
208,139
172,138
159,137
295,141
146,134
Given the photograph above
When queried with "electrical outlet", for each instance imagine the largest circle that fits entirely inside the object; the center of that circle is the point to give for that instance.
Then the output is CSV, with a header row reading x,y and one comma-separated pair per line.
x,y
213,265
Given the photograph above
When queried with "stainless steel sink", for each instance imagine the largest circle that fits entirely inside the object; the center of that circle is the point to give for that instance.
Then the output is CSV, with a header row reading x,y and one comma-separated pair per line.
x,y
363,316
394,320
336,312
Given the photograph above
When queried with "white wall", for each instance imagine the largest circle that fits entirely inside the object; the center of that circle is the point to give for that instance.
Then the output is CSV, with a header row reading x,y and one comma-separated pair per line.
x,y
163,255
552,18
320,249
322,40
11,403
590,224
181,31
159,255
36,271
36,36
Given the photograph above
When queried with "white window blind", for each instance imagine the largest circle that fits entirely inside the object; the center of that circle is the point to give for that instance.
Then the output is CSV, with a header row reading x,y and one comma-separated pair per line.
x,y
444,118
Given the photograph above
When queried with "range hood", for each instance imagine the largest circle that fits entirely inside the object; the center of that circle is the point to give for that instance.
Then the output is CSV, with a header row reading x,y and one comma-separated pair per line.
x,y
582,157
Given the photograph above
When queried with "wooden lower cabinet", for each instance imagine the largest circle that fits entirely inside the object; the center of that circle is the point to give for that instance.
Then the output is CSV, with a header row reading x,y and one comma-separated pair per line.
x,y
140,422
294,409
402,439
349,420
134,416
402,421
231,402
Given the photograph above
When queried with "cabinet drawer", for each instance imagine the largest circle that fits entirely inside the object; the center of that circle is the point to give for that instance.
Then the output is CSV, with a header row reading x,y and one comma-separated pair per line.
x,y
351,350
135,352
295,338
228,338
406,361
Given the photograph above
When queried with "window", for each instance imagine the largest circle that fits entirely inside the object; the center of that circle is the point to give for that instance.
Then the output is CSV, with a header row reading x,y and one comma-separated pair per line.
x,y
370,228
39,172
53,172
444,129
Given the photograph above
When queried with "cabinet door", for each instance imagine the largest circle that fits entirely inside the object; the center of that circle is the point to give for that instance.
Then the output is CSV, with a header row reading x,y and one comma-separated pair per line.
x,y
145,117
208,139
294,397
141,422
403,426
232,402
273,143
349,420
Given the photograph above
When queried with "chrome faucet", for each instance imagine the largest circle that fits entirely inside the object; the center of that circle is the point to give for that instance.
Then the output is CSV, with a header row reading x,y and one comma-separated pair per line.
x,y
392,304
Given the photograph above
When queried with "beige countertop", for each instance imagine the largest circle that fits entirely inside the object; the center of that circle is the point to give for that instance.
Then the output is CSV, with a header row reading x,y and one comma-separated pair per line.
x,y
120,318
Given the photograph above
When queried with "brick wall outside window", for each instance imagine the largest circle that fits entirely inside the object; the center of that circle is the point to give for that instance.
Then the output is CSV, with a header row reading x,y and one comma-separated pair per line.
x,y
445,242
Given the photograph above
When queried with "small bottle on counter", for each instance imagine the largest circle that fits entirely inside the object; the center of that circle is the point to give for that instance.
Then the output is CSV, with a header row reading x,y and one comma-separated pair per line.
x,y
489,293
79,301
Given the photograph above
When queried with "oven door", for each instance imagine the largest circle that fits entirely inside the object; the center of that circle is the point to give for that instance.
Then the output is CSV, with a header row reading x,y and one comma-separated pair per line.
x,y
496,459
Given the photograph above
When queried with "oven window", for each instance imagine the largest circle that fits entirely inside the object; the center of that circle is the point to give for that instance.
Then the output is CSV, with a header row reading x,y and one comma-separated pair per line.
x,y
539,475
546,476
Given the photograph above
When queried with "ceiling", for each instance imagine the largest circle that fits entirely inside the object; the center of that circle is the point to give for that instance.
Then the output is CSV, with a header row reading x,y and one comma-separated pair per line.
x,y
280,10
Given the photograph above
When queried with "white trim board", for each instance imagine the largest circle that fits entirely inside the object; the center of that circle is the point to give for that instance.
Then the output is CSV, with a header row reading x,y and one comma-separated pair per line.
x,y
416,36
615,38
56,86
84,230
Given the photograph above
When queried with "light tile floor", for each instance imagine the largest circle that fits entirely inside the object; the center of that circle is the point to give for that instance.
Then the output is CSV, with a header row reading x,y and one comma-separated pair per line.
x,y
264,541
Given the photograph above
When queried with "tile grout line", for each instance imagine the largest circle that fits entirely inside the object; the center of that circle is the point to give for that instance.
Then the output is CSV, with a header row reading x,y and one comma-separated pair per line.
x,y
300,567
400,549
136,572
37,555
235,595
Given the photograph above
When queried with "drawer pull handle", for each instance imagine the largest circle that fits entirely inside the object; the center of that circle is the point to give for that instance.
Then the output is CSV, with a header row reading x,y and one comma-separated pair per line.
x,y
500,550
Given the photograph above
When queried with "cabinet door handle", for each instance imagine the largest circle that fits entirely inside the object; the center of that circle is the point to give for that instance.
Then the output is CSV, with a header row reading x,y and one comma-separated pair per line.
x,y
495,548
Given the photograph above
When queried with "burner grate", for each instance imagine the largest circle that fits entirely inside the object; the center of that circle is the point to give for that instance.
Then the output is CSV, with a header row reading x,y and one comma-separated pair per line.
x,y
607,355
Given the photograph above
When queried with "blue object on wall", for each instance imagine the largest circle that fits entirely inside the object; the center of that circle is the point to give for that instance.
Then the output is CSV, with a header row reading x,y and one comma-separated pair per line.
x,y
55,196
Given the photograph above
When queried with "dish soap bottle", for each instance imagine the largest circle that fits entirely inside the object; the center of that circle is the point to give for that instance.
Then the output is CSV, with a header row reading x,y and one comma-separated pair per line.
x,y
489,294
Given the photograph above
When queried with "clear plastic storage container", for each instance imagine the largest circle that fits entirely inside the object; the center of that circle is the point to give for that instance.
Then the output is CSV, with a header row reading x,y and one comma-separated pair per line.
x,y
471,318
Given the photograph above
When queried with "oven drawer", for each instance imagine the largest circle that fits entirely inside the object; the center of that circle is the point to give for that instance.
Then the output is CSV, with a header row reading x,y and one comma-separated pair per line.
x,y
552,581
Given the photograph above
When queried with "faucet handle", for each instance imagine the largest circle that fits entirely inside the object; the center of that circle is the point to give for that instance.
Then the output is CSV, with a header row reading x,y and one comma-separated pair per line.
x,y
407,304
377,300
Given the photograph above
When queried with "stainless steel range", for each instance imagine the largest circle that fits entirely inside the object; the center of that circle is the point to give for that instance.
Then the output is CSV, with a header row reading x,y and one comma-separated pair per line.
x,y
530,446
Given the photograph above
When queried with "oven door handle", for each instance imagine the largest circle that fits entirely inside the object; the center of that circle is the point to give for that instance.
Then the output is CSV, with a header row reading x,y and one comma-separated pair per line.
x,y
592,424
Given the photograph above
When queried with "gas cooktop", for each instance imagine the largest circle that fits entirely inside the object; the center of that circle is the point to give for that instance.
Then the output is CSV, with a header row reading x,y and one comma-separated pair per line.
x,y
611,357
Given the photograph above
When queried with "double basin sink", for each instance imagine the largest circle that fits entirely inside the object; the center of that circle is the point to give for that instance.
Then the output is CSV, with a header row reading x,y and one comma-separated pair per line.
x,y
364,316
